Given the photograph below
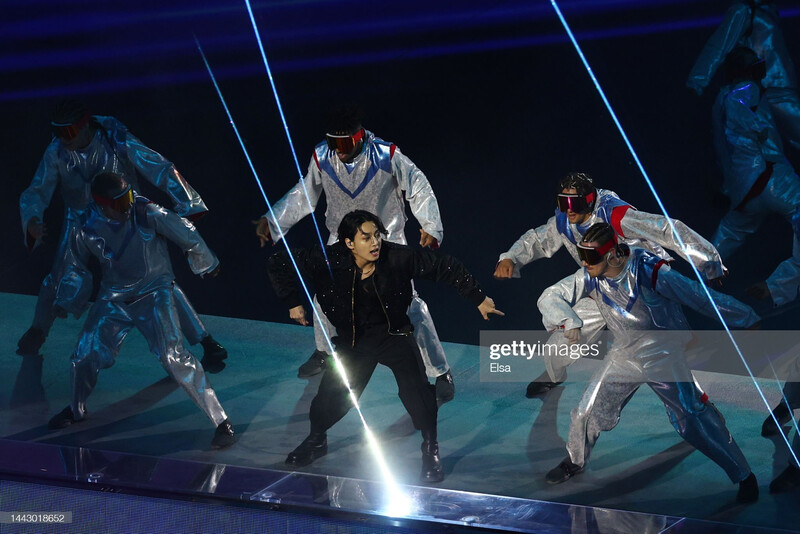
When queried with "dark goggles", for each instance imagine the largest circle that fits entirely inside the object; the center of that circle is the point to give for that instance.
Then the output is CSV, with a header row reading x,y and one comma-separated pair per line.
x,y
121,203
345,143
592,255
70,131
575,203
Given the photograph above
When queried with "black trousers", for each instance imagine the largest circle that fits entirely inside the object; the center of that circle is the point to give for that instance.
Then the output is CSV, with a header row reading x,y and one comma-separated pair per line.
x,y
400,354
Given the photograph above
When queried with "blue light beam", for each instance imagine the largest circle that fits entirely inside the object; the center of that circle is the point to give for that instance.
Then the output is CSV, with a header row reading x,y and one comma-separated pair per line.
x,y
396,494
663,209
261,188
288,134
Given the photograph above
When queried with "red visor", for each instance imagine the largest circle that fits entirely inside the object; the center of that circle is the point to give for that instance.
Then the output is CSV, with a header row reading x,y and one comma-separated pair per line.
x,y
345,143
121,203
575,203
70,131
592,255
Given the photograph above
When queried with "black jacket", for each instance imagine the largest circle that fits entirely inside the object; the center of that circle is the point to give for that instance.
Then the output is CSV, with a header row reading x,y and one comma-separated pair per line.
x,y
396,266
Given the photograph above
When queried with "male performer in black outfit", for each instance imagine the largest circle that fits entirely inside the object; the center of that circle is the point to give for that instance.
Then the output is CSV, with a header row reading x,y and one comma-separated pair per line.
x,y
366,294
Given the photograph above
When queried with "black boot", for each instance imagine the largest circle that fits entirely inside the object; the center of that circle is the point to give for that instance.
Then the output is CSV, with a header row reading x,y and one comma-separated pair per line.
x,y
445,388
748,490
788,480
782,413
30,342
432,470
213,354
313,447
223,435
540,386
314,365
563,471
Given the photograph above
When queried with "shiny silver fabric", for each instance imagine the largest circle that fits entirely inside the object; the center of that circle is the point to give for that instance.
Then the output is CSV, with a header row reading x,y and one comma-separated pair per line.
x,y
746,139
698,422
632,305
427,338
112,149
628,305
154,314
764,36
380,179
593,325
386,183
137,291
639,229
133,254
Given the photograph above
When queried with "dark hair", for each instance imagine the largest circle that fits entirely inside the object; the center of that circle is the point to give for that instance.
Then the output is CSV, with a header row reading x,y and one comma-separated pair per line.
x,y
344,119
743,63
68,111
601,233
108,185
351,224
579,181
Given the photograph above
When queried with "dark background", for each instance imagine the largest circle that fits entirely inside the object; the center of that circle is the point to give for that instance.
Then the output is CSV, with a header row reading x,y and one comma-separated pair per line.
x,y
489,99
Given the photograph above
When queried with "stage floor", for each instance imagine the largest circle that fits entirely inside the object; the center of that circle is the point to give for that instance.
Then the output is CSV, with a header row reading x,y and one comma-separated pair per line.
x,y
492,439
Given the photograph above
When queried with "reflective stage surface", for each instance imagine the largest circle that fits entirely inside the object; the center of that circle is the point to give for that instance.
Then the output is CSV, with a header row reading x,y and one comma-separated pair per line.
x,y
324,495
144,436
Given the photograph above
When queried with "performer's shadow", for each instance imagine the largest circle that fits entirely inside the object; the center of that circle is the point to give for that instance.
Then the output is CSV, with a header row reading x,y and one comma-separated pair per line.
x,y
139,412
123,411
303,404
781,454
543,437
488,432
639,476
28,387
401,428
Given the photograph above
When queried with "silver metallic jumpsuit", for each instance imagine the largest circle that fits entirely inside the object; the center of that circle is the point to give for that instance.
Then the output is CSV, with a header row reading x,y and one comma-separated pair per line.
x,y
643,299
379,180
636,228
750,152
136,291
112,149
759,30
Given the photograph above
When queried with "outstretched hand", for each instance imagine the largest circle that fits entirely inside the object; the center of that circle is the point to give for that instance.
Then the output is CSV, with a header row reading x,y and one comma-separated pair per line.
x,y
215,272
298,313
487,306
717,282
504,269
573,335
427,240
262,231
36,228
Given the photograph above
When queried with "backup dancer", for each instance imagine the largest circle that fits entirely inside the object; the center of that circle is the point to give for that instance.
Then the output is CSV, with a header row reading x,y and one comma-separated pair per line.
x,y
367,299
357,170
755,24
128,235
640,297
83,146
580,205
758,178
